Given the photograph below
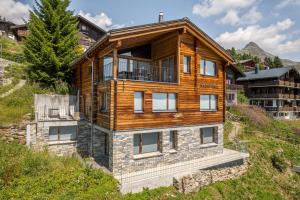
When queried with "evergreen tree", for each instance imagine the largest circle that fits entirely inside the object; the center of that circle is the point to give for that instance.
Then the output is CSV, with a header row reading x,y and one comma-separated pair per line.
x,y
52,43
277,62
268,62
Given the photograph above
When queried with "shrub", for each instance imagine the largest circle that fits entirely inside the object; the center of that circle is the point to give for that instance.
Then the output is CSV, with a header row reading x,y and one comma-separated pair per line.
x,y
242,99
279,162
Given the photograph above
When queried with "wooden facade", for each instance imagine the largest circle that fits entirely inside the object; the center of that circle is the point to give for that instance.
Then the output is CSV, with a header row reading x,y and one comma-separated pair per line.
x,y
151,46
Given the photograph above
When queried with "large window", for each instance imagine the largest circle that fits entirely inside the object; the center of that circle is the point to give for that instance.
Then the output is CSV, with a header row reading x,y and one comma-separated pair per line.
x,y
146,143
107,68
62,133
163,102
138,101
208,135
208,102
207,68
104,102
173,140
167,72
186,64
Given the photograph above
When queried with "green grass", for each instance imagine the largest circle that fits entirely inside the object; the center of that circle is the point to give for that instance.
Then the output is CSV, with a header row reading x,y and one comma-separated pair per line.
x,y
8,87
15,106
12,50
30,175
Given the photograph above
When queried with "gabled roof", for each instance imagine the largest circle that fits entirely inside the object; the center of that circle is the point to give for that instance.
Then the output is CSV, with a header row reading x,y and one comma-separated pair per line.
x,y
267,73
134,31
98,28
242,61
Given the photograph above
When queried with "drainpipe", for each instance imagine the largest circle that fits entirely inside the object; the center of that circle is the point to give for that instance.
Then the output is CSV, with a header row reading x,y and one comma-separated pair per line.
x,y
92,99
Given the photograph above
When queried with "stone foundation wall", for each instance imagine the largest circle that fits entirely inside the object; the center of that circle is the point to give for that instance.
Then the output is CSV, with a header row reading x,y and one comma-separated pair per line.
x,y
192,182
13,134
189,148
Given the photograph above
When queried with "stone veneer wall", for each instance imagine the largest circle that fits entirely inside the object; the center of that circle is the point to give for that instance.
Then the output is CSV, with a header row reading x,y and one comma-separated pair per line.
x,y
189,148
13,134
194,181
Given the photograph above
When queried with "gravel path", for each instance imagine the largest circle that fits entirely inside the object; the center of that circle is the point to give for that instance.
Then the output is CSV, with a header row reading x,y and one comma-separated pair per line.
x,y
18,86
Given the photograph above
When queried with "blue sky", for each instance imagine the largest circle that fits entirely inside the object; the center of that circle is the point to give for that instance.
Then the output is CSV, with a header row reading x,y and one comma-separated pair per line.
x,y
273,24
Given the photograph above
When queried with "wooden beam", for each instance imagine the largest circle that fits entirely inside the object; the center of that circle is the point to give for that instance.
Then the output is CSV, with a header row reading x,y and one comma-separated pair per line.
x,y
108,49
115,63
178,57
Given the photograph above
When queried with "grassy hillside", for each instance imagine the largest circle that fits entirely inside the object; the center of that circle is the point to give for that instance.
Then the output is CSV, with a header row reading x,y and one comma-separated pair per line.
x,y
12,50
273,147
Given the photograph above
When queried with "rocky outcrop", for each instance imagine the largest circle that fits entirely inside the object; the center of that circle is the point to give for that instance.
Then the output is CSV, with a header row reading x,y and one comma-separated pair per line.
x,y
13,134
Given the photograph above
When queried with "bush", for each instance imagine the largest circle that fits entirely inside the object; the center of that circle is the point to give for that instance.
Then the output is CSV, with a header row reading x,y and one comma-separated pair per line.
x,y
279,162
241,98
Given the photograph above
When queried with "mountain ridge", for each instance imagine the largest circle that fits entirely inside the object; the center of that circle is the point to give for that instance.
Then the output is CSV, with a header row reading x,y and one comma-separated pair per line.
x,y
255,50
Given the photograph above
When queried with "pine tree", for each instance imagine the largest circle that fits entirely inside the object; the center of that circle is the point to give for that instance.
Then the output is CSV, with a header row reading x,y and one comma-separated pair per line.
x,y
277,62
52,43
268,62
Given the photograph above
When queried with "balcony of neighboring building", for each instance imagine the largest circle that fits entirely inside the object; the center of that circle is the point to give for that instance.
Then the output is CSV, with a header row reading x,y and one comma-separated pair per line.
x,y
277,83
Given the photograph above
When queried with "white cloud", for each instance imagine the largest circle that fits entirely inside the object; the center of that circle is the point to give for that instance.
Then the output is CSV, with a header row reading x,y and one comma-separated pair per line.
x,y
232,17
271,38
14,11
285,3
208,8
101,20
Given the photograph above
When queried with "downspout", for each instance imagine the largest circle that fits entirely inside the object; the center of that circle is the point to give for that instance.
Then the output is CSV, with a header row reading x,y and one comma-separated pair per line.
x,y
92,100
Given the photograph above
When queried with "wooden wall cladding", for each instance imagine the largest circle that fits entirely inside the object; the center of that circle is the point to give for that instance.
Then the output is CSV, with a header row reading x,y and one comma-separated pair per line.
x,y
188,93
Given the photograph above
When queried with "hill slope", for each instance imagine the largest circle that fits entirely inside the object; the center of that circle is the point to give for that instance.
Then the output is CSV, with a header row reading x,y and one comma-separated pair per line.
x,y
253,49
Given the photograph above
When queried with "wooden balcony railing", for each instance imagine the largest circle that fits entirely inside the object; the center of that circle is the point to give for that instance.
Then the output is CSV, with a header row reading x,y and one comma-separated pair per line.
x,y
234,87
273,95
144,70
275,83
282,109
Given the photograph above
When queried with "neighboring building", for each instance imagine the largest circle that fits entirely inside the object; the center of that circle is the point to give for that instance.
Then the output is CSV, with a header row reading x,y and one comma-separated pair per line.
x,y
232,88
277,90
245,65
158,102
5,28
89,32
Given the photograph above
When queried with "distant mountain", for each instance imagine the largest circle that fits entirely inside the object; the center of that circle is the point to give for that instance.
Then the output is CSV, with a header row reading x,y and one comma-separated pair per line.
x,y
253,49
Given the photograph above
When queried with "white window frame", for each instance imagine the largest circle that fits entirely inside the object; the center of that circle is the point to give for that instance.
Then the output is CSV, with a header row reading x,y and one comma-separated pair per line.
x,y
204,71
210,103
141,103
167,102
187,64
214,135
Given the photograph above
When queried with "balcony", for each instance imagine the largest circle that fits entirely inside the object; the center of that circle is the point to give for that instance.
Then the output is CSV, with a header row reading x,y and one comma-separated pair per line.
x,y
234,87
282,109
142,70
275,83
273,96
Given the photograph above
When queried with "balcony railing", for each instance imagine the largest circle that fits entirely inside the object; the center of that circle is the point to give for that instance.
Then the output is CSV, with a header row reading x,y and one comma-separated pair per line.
x,y
274,83
276,96
145,70
234,87
284,108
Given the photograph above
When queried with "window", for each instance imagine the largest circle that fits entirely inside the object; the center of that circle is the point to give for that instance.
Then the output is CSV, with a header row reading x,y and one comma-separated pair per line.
x,y
167,72
107,68
164,102
173,140
104,103
207,68
208,102
187,64
61,133
146,143
83,28
138,101
208,135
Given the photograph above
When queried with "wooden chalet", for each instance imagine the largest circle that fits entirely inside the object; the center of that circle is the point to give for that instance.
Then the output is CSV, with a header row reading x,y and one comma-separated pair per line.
x,y
155,97
277,90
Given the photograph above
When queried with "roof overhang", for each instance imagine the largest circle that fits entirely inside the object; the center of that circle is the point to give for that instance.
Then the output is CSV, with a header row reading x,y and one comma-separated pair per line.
x,y
184,24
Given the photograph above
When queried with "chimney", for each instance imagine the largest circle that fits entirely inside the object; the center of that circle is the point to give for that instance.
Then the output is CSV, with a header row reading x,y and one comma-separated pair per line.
x,y
161,17
256,69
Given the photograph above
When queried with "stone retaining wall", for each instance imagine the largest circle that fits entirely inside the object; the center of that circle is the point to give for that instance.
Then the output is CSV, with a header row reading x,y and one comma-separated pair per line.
x,y
13,134
192,182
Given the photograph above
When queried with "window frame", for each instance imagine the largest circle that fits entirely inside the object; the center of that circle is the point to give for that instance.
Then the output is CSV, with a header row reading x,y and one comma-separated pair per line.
x,y
189,59
210,109
104,102
204,69
141,142
174,136
142,103
59,133
214,135
167,103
